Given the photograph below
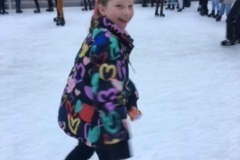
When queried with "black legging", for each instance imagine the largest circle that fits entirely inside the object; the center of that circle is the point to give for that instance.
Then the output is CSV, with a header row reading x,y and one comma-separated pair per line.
x,y
114,152
37,4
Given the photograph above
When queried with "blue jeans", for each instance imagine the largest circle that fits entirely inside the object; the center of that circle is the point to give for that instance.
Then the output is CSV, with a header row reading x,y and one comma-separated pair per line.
x,y
215,5
224,7
171,2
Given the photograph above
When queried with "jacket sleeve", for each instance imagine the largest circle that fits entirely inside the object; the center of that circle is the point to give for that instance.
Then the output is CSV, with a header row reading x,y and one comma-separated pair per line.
x,y
133,97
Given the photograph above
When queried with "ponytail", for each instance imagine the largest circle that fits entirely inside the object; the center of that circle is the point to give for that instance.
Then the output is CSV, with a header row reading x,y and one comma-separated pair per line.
x,y
95,16
96,13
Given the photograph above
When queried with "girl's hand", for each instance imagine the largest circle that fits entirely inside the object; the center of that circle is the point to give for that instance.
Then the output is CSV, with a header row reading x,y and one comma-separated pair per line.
x,y
134,113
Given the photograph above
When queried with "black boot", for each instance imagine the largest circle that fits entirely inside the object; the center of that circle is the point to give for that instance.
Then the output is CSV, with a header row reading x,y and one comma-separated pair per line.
x,y
60,21
173,7
168,6
37,10
212,14
180,9
228,42
204,12
218,18
50,9
19,11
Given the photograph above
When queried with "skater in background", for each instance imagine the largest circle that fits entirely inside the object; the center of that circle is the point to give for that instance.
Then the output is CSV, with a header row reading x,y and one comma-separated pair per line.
x,y
233,25
161,2
2,7
99,95
60,21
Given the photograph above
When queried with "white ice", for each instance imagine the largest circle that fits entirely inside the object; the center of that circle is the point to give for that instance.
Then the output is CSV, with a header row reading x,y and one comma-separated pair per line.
x,y
189,85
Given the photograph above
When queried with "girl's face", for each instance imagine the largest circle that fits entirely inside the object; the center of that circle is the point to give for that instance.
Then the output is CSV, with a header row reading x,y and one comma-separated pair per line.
x,y
119,12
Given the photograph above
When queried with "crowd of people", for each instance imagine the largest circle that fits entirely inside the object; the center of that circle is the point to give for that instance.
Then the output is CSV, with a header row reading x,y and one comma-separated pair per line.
x,y
216,10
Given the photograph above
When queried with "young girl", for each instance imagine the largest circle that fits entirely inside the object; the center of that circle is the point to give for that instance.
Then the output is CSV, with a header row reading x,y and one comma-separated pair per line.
x,y
99,94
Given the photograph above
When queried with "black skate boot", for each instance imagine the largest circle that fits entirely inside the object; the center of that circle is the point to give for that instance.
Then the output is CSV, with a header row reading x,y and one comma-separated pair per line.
x,y
228,42
60,21
37,10
212,14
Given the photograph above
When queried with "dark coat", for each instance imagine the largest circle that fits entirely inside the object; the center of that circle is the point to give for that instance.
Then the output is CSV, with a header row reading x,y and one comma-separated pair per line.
x,y
99,92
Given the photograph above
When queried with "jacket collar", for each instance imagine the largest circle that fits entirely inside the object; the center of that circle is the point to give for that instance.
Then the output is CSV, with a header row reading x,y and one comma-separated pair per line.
x,y
120,33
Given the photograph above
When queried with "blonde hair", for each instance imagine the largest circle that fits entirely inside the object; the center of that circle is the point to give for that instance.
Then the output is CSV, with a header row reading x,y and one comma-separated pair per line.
x,y
96,13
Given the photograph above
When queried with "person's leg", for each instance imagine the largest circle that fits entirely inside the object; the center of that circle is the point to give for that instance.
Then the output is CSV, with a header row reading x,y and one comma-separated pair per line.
x,y
152,3
80,152
117,151
56,2
1,6
157,6
221,12
172,4
89,5
161,8
204,8
238,29
199,6
212,14
50,6
37,7
180,2
232,26
85,5
56,18
18,6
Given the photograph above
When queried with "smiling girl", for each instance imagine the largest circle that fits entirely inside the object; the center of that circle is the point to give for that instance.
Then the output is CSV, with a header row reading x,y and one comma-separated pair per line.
x,y
99,95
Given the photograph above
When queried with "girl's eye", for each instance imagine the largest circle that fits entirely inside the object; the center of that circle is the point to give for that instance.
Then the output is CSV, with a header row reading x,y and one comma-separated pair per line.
x,y
119,6
131,6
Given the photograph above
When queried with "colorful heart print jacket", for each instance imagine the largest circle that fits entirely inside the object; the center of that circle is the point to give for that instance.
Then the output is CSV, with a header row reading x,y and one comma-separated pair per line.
x,y
99,92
